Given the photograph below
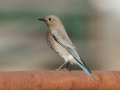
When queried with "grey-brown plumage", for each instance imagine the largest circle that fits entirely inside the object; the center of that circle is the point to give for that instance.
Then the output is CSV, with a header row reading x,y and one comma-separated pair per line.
x,y
59,41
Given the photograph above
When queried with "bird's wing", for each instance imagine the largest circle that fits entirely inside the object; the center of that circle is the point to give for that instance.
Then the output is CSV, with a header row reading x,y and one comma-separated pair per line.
x,y
67,44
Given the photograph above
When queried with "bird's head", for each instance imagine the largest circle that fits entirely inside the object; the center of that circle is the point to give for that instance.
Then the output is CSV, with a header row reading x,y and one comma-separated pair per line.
x,y
51,21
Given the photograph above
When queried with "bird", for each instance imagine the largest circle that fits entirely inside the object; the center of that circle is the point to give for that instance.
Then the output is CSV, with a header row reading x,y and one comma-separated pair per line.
x,y
59,41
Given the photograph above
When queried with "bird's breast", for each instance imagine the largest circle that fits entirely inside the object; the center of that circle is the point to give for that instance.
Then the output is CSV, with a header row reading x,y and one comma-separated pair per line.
x,y
49,39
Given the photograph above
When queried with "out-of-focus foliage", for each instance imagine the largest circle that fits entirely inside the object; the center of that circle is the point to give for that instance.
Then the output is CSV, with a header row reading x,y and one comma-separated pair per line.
x,y
93,26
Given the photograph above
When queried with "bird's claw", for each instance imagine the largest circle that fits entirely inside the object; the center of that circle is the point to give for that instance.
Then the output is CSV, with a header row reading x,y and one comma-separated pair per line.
x,y
62,69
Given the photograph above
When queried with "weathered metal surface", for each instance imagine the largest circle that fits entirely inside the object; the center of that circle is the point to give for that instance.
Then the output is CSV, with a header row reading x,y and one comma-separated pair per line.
x,y
59,80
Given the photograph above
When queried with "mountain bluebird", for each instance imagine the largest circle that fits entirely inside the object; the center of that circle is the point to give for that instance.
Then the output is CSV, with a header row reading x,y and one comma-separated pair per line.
x,y
59,41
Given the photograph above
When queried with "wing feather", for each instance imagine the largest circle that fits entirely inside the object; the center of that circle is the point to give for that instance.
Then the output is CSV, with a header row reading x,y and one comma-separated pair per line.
x,y
67,44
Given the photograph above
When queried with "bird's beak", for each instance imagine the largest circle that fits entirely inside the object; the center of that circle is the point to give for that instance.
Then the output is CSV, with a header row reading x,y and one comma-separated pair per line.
x,y
41,19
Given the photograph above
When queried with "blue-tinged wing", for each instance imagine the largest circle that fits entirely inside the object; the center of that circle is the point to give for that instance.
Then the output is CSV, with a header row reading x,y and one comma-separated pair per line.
x,y
63,39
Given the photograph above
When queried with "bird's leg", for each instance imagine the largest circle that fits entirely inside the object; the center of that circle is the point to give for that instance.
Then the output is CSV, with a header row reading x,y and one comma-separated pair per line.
x,y
61,66
66,67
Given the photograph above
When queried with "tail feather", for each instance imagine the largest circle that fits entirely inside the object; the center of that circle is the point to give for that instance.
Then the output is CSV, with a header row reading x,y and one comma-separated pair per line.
x,y
79,61
87,71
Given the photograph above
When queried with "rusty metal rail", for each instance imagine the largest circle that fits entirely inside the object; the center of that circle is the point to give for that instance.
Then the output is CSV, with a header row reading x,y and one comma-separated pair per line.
x,y
59,80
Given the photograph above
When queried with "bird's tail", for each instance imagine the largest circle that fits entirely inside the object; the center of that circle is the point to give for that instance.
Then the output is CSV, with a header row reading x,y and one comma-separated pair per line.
x,y
80,62
87,71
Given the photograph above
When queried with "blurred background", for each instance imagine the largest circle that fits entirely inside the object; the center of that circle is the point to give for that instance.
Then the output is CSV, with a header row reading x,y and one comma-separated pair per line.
x,y
92,25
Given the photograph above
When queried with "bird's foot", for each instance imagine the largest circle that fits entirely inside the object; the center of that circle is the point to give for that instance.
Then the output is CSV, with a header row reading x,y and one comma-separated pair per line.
x,y
65,69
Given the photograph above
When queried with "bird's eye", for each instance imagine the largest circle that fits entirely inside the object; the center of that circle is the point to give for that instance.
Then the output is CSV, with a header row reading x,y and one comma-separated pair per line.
x,y
50,19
